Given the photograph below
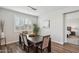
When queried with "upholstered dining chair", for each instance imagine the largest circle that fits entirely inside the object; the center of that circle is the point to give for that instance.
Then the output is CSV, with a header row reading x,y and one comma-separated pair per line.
x,y
45,43
27,46
21,40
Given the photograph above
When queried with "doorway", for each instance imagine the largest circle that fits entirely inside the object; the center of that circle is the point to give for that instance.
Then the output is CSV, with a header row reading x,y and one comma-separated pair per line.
x,y
71,20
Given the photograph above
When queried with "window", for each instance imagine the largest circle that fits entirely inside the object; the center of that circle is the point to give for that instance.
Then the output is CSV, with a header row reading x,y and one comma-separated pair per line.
x,y
22,23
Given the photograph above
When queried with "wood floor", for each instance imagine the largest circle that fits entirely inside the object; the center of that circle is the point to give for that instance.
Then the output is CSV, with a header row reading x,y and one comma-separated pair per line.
x,y
55,48
11,48
66,48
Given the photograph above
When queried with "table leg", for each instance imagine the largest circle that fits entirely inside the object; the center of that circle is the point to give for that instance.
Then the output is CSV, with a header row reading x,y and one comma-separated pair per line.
x,y
36,48
49,47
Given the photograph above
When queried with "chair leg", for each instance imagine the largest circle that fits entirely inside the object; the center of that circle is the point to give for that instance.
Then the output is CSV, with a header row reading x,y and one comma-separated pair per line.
x,y
24,47
21,45
41,50
28,49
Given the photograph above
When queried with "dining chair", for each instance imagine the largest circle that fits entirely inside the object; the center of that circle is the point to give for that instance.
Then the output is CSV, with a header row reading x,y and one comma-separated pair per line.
x,y
26,43
21,40
45,43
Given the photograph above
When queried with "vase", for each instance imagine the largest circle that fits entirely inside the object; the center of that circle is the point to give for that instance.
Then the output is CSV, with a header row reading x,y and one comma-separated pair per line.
x,y
2,35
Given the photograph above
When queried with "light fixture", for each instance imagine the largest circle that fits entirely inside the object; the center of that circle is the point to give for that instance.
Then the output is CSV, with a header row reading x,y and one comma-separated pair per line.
x,y
32,7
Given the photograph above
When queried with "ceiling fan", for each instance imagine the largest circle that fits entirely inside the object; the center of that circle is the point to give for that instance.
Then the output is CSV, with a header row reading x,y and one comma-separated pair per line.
x,y
32,7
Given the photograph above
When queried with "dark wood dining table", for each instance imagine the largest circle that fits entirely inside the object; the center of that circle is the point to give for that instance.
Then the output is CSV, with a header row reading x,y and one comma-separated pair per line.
x,y
36,40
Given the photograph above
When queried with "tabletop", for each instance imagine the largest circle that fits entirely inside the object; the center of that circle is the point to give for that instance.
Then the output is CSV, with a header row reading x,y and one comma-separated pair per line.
x,y
35,39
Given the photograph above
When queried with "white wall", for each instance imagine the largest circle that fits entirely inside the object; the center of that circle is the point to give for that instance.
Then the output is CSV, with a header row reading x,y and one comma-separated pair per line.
x,y
8,16
57,23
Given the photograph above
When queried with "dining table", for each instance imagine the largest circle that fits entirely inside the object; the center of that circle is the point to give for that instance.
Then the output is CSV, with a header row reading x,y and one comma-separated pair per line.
x,y
35,40
38,40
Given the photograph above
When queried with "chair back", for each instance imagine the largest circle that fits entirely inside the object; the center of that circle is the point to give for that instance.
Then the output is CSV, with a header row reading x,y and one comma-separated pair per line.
x,y
21,37
45,41
25,40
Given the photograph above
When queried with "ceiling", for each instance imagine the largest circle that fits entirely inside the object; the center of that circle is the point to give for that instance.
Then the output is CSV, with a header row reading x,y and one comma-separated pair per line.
x,y
40,9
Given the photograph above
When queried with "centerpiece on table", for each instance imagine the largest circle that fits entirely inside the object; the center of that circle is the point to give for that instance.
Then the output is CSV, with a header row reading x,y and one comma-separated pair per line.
x,y
35,30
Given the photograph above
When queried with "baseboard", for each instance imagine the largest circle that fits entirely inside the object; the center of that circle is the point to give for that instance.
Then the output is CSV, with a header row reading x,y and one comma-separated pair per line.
x,y
10,42
18,40
57,42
